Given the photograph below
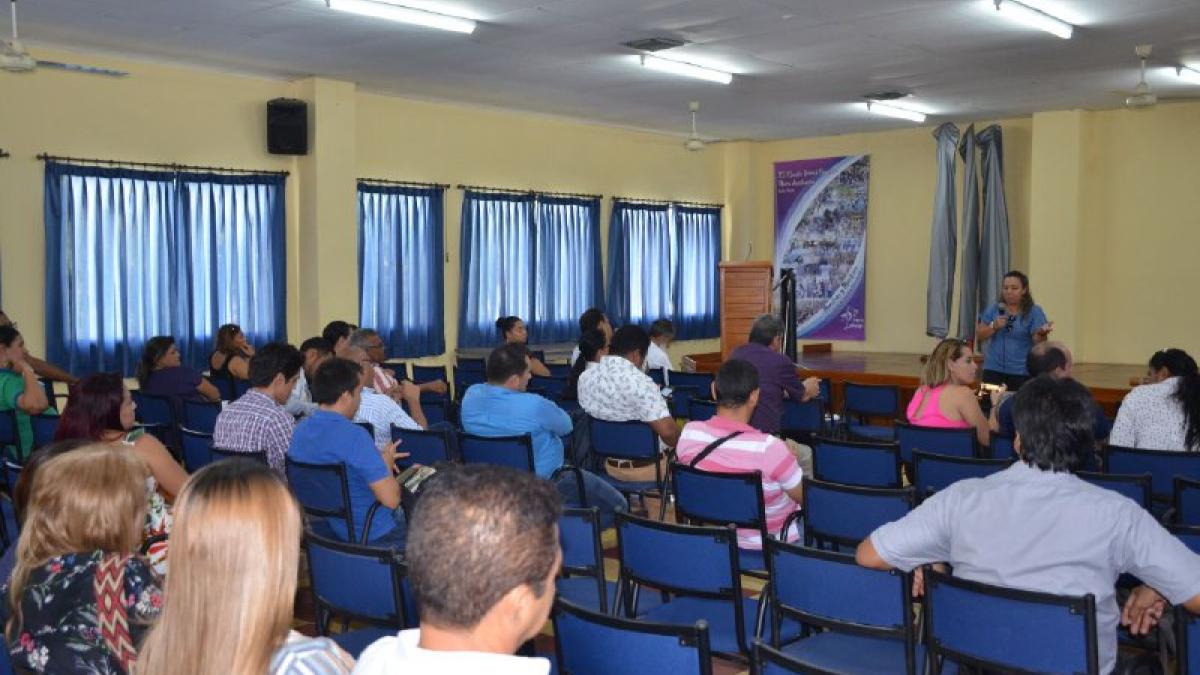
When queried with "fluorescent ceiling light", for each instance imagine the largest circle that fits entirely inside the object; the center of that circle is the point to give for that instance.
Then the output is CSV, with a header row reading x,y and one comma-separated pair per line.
x,y
1189,75
1034,18
889,110
686,69
391,12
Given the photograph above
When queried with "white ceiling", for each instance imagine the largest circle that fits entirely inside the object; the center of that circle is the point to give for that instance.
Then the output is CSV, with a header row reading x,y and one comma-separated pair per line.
x,y
802,63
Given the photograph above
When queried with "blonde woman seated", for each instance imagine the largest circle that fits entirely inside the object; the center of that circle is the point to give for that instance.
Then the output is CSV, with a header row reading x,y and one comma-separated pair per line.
x,y
945,399
230,594
76,567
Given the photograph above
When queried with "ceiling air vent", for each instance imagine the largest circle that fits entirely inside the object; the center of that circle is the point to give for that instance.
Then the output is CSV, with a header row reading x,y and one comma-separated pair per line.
x,y
654,44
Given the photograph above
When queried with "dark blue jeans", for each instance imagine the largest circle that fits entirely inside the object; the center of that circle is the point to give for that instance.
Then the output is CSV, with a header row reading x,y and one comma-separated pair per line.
x,y
398,535
599,493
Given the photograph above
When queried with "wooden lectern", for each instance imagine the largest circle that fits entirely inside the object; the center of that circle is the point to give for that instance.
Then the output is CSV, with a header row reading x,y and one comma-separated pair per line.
x,y
745,295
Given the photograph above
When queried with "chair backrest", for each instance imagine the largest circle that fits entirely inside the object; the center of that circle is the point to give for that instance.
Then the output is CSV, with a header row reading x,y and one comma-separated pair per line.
x,y
828,590
624,440
658,375
719,498
1189,535
48,387
201,415
1003,628
933,472
802,418
8,429
1187,502
1162,465
426,447
700,410
510,451
1001,447
847,514
197,449
422,374
680,400
464,379
399,369
44,427
562,370
854,463
224,386
551,387
591,643
871,400
368,427
951,442
240,387
219,454
436,409
357,582
473,365
322,490
701,382
582,552
1134,486
651,553
153,410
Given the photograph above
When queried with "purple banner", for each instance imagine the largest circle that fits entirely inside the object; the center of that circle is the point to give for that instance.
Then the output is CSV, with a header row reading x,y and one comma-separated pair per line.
x,y
821,234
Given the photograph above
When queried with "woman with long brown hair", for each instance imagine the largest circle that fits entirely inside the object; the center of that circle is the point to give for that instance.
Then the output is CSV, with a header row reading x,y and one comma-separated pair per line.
x,y
231,355
230,593
945,399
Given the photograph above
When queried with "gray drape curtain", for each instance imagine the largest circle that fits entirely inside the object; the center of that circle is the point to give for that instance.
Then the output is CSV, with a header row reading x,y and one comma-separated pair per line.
x,y
969,301
940,288
994,244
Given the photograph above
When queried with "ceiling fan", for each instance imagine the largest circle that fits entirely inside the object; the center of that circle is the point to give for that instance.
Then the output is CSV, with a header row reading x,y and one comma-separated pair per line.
x,y
694,143
1142,95
14,58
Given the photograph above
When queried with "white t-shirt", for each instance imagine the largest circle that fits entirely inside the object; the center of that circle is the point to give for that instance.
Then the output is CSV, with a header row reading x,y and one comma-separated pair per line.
x,y
400,655
658,359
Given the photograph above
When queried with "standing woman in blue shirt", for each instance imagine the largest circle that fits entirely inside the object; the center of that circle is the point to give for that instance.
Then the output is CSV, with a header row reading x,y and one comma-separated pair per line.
x,y
1011,326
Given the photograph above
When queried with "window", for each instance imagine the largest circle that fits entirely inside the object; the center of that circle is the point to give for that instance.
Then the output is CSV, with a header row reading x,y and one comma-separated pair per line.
x,y
400,259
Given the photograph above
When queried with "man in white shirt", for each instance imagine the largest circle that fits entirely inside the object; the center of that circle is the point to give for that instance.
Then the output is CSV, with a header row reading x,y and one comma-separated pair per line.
x,y
662,334
380,411
316,350
482,556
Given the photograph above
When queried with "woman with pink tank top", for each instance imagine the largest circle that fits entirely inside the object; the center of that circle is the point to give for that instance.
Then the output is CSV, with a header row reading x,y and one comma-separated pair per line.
x,y
945,399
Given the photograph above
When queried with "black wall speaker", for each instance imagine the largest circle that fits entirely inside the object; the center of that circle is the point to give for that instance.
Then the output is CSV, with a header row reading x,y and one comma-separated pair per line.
x,y
287,126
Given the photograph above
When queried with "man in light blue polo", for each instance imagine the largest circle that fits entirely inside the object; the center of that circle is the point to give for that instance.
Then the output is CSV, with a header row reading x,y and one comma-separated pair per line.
x,y
502,407
1036,526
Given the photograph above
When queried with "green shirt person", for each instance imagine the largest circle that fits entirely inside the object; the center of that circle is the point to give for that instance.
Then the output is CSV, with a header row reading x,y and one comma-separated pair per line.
x,y
20,390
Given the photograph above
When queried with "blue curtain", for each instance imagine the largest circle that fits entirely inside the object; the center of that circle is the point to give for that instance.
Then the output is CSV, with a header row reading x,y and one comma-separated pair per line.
x,y
400,252
697,280
567,264
133,254
640,263
497,264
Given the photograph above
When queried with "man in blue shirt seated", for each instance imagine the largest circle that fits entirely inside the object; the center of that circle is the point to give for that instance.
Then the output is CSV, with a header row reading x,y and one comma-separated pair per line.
x,y
329,437
502,407
1036,526
1053,359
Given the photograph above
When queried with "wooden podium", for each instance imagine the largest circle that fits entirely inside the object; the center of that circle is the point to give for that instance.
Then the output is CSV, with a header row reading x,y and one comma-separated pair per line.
x,y
745,295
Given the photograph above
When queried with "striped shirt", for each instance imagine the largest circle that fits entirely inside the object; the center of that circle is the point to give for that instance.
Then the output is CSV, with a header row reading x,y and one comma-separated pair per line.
x,y
382,413
302,655
255,423
752,450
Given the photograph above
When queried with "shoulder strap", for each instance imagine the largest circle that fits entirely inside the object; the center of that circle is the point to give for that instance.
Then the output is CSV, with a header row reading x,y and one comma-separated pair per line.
x,y
109,587
708,449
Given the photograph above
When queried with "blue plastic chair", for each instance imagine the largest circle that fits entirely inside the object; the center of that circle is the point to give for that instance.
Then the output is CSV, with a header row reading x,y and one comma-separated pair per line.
x,y
44,426
550,387
862,402
847,514
1187,642
633,441
863,618
435,407
679,402
224,387
1001,447
423,374
324,493
708,497
992,627
1134,486
511,451
701,383
357,583
240,387
8,429
802,421
464,379
201,415
700,410
559,370
658,375
857,463
1162,465
157,415
10,527
1187,501
426,447
197,449
590,643
581,576
51,397
933,472
698,567
474,365
949,442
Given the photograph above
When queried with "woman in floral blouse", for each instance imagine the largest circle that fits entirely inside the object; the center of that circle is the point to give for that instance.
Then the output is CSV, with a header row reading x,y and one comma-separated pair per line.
x,y
76,569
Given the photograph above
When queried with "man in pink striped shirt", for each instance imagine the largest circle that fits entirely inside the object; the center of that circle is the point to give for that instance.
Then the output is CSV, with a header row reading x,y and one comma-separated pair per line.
x,y
744,448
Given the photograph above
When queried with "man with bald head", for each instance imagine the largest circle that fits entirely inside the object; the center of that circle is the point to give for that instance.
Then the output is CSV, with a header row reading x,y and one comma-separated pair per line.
x,y
1051,358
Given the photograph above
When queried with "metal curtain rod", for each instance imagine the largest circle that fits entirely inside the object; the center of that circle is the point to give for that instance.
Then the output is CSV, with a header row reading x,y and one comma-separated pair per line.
x,y
665,202
534,193
45,157
404,183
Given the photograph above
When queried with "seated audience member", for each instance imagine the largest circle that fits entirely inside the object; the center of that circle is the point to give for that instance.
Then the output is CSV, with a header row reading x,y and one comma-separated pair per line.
x,y
337,334
257,421
512,332
1045,358
733,446
380,411
383,381
593,319
662,334
162,373
232,588
482,558
231,357
617,390
42,368
100,409
316,351
777,379
329,437
1038,527
593,346
81,527
502,407
20,493
1164,414
945,399
20,390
